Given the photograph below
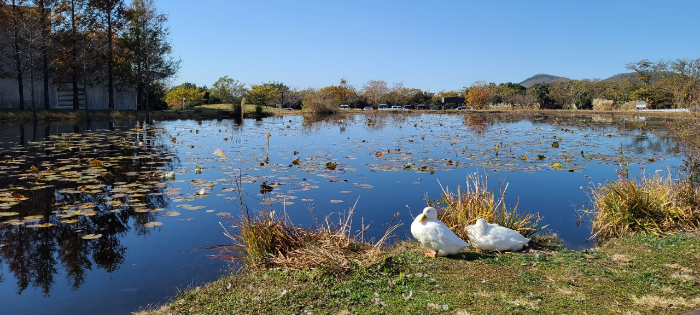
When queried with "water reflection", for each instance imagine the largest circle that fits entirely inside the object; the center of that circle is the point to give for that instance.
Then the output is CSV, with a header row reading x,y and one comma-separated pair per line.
x,y
59,189
68,199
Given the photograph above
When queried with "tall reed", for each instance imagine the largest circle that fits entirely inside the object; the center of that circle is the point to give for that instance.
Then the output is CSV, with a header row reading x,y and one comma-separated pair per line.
x,y
649,205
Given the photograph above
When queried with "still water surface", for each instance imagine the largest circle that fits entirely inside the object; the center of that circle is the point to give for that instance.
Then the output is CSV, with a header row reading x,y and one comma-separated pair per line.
x,y
92,222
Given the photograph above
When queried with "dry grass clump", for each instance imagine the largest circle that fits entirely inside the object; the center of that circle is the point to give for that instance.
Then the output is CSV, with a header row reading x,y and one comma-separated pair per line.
x,y
267,241
653,205
631,105
602,104
466,206
501,106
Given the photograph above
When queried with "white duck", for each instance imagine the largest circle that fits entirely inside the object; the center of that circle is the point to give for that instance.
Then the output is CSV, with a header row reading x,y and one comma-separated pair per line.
x,y
485,236
435,235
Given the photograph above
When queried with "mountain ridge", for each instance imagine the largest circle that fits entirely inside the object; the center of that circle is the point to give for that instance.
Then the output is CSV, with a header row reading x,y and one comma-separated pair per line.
x,y
548,78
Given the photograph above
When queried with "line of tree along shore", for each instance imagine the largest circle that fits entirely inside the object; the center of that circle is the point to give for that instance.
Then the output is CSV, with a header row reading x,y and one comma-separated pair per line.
x,y
660,84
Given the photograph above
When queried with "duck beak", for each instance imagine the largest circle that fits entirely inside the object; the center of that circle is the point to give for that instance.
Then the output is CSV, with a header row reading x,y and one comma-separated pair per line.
x,y
421,218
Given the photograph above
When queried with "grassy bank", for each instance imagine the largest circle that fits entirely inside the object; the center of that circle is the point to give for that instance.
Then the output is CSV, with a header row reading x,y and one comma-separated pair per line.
x,y
649,275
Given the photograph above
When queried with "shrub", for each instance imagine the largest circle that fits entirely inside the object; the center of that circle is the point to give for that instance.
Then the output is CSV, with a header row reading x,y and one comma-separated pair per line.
x,y
466,206
584,101
317,103
192,97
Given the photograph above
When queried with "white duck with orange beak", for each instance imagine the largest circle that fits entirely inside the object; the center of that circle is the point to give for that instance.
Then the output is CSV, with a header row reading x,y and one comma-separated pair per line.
x,y
435,235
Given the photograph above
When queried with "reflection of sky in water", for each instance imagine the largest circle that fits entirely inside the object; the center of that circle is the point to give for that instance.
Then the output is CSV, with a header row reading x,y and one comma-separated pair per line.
x,y
454,146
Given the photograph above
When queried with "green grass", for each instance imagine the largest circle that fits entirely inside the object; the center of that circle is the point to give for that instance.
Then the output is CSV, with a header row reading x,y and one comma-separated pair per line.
x,y
645,274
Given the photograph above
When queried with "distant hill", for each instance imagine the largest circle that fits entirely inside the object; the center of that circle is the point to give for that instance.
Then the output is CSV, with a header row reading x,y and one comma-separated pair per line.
x,y
542,78
621,76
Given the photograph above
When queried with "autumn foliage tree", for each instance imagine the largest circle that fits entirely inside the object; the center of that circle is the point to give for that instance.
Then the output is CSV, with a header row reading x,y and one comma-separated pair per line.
x,y
478,95
183,94
262,94
110,15
342,93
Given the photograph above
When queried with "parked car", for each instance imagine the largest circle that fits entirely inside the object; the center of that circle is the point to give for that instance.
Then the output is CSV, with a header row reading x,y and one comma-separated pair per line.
x,y
435,107
421,107
344,106
397,107
368,108
407,107
383,107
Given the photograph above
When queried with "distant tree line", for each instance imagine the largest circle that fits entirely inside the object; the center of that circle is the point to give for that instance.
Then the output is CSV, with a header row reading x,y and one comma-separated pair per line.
x,y
86,42
661,84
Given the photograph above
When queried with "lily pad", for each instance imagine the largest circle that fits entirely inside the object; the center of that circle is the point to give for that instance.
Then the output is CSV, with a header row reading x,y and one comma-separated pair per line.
x,y
153,224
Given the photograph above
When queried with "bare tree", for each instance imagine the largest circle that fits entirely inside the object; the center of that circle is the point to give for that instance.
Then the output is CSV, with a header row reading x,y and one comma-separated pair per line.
x,y
375,91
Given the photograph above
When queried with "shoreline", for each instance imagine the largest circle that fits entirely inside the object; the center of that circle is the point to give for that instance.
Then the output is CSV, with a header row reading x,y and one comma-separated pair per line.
x,y
208,113
646,274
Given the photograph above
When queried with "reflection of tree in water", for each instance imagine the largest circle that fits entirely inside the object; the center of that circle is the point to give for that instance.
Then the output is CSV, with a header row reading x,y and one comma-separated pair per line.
x,y
313,123
478,122
651,134
371,121
73,186
377,121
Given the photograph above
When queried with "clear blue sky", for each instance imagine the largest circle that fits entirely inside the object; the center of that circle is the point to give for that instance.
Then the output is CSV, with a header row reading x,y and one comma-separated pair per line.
x,y
431,45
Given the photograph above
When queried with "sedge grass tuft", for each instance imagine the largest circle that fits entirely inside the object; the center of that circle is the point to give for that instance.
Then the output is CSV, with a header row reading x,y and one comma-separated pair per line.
x,y
649,205
465,206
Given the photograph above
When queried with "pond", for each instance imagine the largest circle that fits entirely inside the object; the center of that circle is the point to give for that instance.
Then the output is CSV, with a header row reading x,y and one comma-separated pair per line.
x,y
108,218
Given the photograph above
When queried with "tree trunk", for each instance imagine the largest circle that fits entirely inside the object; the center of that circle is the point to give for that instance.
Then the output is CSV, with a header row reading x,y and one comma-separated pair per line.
x,y
110,66
18,60
76,100
85,96
74,59
45,31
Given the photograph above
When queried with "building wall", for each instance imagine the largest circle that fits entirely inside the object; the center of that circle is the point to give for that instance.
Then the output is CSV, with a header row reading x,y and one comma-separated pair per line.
x,y
97,96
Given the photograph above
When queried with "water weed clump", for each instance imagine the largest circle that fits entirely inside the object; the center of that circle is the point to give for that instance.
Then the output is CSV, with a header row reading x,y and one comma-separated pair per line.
x,y
465,206
265,240
650,205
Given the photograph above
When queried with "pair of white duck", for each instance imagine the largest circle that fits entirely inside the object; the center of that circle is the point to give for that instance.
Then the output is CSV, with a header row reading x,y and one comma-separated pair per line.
x,y
441,241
